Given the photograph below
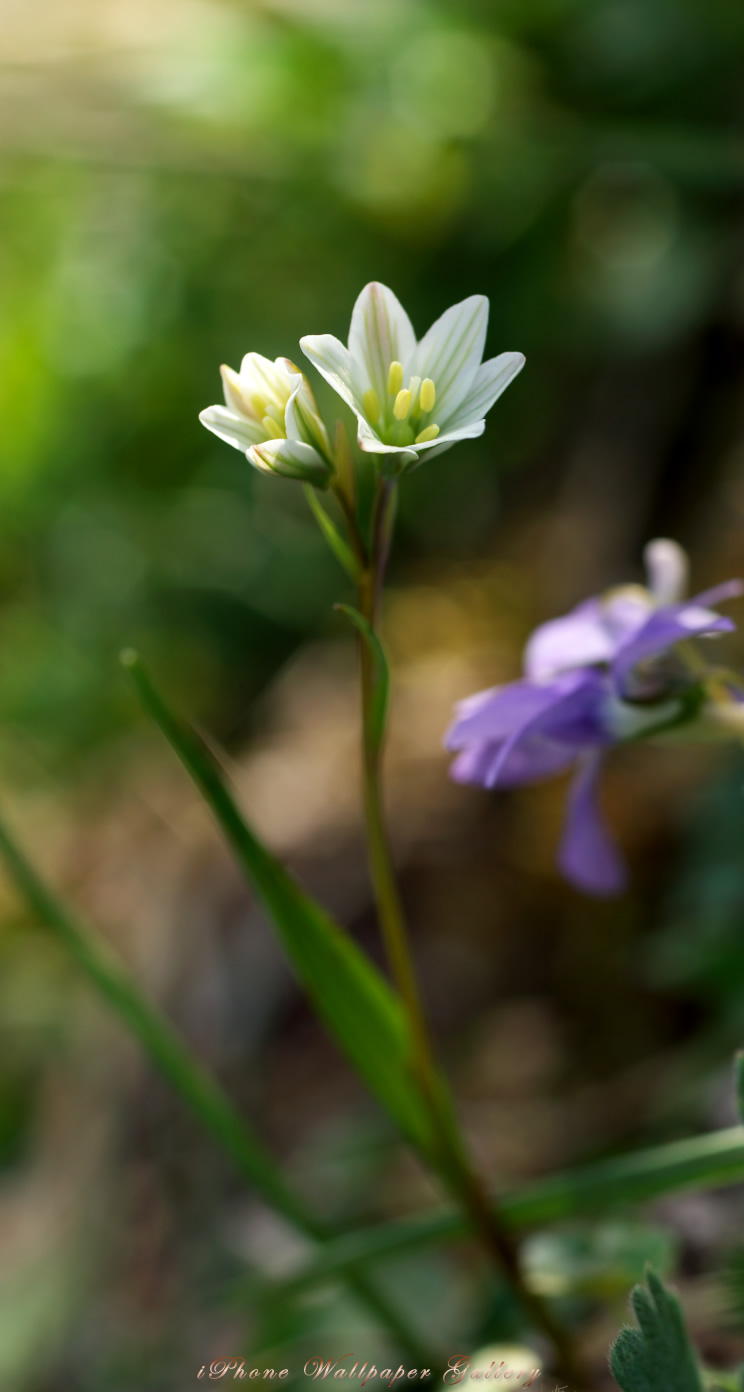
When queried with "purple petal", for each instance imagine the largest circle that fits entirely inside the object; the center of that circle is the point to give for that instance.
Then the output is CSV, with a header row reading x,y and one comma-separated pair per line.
x,y
577,640
624,612
528,762
572,717
730,589
588,856
662,630
472,764
494,715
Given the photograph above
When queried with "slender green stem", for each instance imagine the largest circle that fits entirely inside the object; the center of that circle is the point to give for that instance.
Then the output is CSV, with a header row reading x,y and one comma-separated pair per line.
x,y
456,1167
197,1088
701,1162
355,535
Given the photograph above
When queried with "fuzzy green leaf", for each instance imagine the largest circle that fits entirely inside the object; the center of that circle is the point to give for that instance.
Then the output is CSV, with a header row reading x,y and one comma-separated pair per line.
x,y
658,1355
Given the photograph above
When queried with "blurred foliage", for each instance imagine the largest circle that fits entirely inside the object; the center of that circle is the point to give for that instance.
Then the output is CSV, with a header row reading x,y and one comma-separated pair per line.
x,y
215,177
181,183
604,1259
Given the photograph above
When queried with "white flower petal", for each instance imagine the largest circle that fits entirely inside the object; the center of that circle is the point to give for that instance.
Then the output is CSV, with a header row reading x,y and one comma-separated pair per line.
x,y
668,568
236,430
259,376
302,420
451,351
491,379
291,459
450,437
333,361
380,333
232,389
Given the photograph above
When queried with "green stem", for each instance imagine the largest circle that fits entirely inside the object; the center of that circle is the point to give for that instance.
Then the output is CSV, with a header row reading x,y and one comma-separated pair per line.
x,y
456,1166
197,1088
701,1162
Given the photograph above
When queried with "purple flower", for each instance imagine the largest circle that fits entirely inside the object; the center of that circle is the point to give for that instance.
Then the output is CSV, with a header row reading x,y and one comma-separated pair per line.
x,y
621,666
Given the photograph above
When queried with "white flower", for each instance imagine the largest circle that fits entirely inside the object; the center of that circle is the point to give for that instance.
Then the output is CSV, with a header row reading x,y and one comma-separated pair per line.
x,y
409,397
270,414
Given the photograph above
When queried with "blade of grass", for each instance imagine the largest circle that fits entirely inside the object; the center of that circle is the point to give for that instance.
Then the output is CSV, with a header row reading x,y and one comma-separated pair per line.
x,y
701,1162
197,1088
350,995
739,1081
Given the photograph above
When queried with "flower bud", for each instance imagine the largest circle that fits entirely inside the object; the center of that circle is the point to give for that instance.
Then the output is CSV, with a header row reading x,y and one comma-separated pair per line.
x,y
291,459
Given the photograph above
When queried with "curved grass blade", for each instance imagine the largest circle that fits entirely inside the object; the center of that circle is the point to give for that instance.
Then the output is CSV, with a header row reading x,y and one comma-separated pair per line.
x,y
160,1041
195,1085
701,1162
739,1081
352,998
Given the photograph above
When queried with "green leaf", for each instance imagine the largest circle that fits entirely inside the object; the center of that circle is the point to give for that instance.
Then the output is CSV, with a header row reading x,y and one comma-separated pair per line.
x,y
352,998
343,553
657,1356
375,731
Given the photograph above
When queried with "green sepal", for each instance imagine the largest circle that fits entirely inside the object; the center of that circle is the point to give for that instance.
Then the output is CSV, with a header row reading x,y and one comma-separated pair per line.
x,y
343,553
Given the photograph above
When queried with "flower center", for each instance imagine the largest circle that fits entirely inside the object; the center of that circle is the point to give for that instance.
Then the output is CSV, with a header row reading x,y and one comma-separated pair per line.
x,y
263,399
274,426
404,417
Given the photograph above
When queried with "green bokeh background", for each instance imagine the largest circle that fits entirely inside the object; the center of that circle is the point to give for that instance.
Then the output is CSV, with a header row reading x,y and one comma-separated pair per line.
x,y
183,183
179,188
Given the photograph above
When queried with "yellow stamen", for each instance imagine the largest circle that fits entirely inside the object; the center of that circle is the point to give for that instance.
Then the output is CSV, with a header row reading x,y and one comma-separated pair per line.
x,y
430,433
395,378
371,406
428,394
274,429
402,404
259,406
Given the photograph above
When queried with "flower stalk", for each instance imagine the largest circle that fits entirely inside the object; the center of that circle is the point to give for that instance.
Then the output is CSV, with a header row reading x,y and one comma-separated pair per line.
x,y
411,398
456,1167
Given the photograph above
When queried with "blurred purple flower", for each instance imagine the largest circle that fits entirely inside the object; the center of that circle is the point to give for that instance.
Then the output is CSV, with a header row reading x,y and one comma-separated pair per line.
x,y
618,667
